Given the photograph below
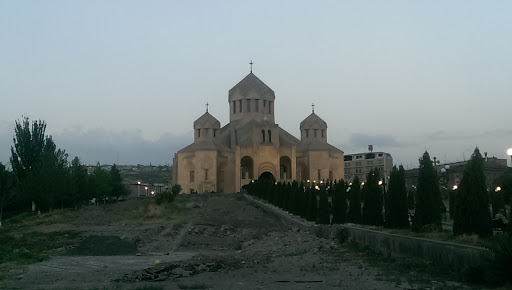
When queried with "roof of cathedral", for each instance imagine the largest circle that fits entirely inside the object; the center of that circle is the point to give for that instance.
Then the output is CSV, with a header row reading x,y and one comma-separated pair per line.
x,y
207,121
313,120
253,88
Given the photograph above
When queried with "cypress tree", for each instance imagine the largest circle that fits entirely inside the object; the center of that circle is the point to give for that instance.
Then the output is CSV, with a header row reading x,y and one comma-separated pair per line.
x,y
372,192
340,203
313,204
354,212
324,216
410,199
396,200
428,196
472,214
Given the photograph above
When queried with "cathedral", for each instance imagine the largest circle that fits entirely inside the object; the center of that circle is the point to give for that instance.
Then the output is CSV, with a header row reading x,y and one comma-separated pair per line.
x,y
251,145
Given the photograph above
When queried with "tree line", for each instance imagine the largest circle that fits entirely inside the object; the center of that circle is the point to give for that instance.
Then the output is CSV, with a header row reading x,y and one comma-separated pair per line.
x,y
386,202
41,177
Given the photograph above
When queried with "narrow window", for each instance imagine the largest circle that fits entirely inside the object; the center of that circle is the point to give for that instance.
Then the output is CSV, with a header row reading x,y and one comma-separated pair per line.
x,y
322,133
205,174
248,105
234,107
269,107
191,176
198,132
240,106
319,174
263,136
269,136
257,105
214,133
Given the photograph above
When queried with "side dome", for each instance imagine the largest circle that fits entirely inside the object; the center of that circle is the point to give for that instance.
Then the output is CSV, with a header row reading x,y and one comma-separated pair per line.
x,y
313,128
206,128
207,121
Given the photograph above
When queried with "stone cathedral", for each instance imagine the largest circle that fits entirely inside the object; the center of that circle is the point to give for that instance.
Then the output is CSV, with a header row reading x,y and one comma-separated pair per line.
x,y
223,159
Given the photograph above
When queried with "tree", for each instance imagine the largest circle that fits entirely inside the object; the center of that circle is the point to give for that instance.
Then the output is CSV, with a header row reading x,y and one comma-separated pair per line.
x,y
116,183
372,192
340,202
324,216
7,185
396,200
28,146
428,196
354,213
78,187
472,214
39,166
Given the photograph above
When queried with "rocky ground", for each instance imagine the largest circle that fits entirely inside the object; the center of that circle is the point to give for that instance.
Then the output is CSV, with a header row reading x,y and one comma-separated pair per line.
x,y
202,242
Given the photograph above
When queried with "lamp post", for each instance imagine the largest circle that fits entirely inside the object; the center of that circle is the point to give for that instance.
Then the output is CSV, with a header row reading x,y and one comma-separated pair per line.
x,y
138,188
446,176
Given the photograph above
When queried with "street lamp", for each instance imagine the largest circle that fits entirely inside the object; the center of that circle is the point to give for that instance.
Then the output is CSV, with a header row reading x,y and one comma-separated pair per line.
x,y
138,188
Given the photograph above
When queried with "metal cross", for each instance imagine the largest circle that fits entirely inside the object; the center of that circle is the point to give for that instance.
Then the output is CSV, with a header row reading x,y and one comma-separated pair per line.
x,y
251,63
206,107
313,106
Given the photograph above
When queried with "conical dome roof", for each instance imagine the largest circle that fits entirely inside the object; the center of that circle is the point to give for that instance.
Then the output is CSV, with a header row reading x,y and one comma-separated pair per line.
x,y
251,87
313,122
207,121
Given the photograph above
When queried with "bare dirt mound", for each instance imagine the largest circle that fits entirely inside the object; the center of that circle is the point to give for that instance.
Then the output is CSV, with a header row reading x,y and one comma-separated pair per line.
x,y
104,246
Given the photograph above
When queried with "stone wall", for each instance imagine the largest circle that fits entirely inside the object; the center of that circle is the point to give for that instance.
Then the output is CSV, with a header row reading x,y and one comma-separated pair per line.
x,y
462,256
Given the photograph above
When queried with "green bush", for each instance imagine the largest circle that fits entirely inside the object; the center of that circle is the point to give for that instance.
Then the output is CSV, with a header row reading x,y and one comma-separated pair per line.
x,y
164,197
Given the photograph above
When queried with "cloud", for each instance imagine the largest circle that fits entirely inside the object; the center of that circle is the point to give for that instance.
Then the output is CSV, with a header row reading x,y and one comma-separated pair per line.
x,y
362,140
107,147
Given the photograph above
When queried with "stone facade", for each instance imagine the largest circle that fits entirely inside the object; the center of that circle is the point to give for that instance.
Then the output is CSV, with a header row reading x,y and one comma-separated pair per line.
x,y
224,159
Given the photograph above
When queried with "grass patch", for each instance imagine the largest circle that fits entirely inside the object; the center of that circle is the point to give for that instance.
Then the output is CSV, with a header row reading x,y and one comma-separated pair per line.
x,y
26,248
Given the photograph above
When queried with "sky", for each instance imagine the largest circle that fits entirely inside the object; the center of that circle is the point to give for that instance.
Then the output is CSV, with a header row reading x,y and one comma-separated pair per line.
x,y
123,81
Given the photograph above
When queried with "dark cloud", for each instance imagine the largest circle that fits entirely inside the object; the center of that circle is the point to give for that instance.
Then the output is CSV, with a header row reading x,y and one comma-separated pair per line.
x,y
120,147
106,147
363,140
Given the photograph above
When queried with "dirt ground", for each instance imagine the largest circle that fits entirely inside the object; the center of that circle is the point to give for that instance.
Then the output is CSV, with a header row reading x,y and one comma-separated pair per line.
x,y
200,242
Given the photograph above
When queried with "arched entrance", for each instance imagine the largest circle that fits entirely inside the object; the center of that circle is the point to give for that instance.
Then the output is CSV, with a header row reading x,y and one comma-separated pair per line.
x,y
267,176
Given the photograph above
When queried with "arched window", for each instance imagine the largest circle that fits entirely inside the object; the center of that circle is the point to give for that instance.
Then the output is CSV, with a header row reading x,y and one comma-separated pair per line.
x,y
269,136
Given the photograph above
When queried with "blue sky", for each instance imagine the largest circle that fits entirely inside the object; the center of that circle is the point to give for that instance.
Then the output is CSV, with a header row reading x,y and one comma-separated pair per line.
x,y
123,81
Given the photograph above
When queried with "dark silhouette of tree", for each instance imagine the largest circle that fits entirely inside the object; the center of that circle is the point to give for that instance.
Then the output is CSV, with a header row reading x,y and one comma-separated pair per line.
x,y
7,186
354,213
411,202
340,202
428,196
373,199
324,216
396,200
472,214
